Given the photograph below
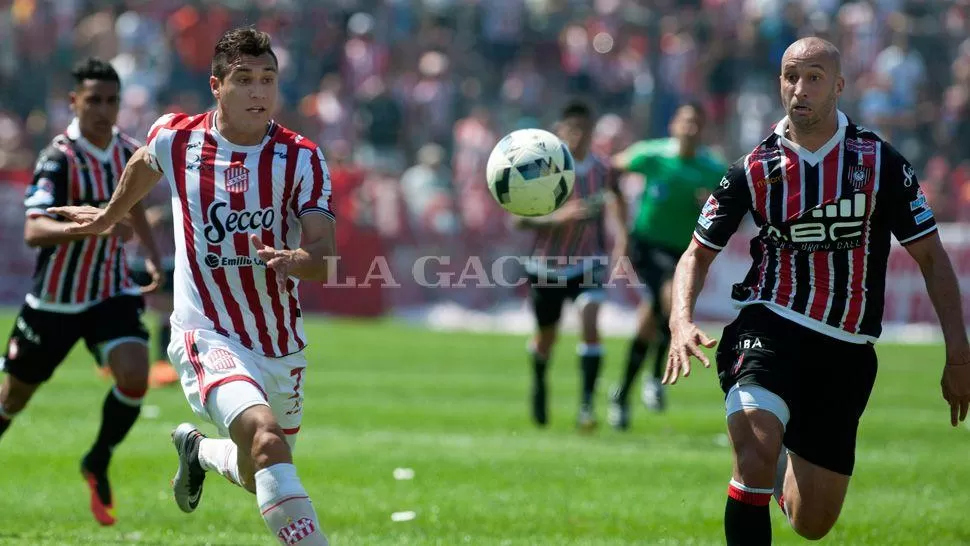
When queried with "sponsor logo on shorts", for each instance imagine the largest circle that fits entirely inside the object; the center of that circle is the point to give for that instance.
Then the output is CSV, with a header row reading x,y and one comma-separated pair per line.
x,y
221,359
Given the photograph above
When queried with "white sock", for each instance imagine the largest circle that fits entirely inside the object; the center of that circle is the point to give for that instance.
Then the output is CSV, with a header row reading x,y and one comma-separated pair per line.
x,y
220,455
286,507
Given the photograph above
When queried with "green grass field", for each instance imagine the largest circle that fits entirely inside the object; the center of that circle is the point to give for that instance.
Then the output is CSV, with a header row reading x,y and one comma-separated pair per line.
x,y
453,408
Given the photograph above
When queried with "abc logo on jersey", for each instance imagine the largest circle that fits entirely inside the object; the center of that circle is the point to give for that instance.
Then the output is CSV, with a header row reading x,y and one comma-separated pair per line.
x,y
221,224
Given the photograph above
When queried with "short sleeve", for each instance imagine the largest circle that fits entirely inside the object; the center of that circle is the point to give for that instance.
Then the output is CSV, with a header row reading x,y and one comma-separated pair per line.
x,y
910,215
314,187
640,157
724,209
158,143
49,185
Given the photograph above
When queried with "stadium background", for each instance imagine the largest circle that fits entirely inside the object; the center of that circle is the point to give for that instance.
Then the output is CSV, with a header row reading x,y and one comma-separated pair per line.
x,y
407,97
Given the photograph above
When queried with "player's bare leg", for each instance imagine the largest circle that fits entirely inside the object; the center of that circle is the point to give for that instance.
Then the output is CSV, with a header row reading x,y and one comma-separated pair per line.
x,y
266,462
756,439
813,497
128,362
590,361
14,395
541,348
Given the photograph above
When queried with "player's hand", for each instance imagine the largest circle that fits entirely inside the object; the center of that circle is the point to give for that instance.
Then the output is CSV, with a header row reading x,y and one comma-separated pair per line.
x,y
122,230
87,220
280,261
576,210
158,280
956,388
686,340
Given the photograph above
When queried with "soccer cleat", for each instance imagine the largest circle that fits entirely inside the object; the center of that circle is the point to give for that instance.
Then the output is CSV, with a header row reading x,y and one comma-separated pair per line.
x,y
653,395
101,502
586,420
187,483
539,409
161,374
618,412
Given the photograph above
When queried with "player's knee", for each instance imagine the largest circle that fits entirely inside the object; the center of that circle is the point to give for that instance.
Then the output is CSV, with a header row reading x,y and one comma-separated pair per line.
x,y
269,447
813,526
131,376
16,395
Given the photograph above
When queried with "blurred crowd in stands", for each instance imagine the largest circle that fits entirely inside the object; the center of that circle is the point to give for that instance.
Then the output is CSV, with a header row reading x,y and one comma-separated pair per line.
x,y
407,97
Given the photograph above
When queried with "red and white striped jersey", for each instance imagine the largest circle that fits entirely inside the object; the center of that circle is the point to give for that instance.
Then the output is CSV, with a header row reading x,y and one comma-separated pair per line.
x,y
222,193
73,276
825,222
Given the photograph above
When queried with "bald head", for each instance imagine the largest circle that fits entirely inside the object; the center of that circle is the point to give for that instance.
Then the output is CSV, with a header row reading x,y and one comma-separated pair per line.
x,y
814,50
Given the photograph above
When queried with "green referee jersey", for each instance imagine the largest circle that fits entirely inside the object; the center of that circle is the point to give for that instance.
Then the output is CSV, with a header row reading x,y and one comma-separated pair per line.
x,y
670,203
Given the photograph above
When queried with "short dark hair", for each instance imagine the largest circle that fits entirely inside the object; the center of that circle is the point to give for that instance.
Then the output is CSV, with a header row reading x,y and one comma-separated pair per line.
x,y
236,43
698,107
576,109
94,68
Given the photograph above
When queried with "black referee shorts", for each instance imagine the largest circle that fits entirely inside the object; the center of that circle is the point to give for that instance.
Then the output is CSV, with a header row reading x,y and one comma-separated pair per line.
x,y
825,382
654,265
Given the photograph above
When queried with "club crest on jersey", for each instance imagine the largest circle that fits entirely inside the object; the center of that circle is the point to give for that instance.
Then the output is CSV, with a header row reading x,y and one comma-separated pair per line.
x,y
859,176
237,178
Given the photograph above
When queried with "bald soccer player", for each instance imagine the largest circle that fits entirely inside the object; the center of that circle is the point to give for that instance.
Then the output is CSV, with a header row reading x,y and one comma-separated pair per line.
x,y
798,364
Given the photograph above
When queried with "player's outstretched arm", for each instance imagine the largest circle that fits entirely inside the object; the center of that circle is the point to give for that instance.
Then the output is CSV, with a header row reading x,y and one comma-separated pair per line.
x,y
685,337
136,181
944,291
313,261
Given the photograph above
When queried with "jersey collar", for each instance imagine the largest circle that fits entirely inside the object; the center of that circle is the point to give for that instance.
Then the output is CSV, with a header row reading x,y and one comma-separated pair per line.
x,y
74,133
813,158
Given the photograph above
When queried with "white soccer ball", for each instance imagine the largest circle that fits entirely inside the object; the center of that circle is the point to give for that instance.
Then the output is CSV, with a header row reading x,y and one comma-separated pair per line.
x,y
530,172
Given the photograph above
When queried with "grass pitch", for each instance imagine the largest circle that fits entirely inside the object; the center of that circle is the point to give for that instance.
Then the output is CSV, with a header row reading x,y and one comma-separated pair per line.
x,y
452,407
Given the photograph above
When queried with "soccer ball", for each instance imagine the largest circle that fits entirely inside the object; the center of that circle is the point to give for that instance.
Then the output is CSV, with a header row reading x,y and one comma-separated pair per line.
x,y
530,172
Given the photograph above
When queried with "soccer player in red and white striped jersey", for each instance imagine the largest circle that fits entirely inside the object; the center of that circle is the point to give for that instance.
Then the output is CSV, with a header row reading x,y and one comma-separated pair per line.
x,y
251,201
82,287
798,365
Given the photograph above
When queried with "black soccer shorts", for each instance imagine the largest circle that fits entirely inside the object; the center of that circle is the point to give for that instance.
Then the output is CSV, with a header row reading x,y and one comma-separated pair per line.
x,y
42,339
549,295
825,382
653,264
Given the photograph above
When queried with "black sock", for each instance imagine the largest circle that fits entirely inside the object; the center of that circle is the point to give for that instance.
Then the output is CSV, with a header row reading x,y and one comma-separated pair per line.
x,y
590,364
164,338
747,521
118,415
539,365
634,361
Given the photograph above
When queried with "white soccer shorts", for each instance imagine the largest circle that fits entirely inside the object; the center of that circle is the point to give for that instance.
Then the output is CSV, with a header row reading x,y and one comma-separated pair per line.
x,y
205,360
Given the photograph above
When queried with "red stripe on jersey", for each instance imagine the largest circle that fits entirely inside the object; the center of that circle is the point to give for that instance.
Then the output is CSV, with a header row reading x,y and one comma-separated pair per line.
x,y
240,241
786,262
793,185
56,267
269,239
857,295
81,293
179,142
318,181
831,176
106,277
74,177
207,190
755,170
286,204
